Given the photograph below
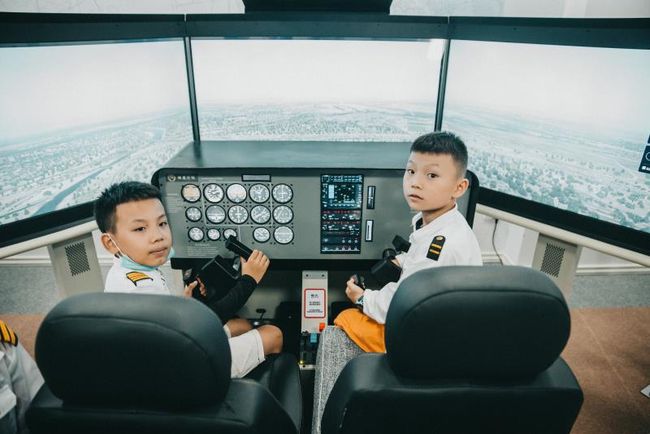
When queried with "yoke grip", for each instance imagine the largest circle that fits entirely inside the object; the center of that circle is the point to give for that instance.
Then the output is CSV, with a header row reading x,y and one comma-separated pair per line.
x,y
237,247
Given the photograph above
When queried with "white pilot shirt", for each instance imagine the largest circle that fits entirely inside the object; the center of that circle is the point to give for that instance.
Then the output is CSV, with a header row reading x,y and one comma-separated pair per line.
x,y
121,279
460,247
20,379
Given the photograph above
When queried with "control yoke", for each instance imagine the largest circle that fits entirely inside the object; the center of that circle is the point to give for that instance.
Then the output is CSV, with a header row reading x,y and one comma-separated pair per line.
x,y
237,247
221,265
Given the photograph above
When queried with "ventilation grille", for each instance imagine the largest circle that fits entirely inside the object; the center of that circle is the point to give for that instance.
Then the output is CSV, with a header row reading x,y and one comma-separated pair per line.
x,y
552,262
77,258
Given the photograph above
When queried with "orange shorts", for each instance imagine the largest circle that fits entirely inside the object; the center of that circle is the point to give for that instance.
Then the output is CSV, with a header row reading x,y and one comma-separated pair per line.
x,y
362,330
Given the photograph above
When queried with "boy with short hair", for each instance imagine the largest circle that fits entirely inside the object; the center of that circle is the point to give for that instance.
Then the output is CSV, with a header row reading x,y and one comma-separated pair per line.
x,y
433,180
134,229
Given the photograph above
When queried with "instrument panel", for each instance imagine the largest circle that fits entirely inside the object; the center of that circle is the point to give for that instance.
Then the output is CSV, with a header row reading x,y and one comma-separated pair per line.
x,y
287,213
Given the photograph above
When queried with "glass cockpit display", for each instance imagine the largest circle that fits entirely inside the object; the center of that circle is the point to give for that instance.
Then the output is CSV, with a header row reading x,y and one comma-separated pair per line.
x,y
341,203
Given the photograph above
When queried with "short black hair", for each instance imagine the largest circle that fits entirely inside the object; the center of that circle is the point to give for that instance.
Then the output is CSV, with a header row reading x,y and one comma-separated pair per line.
x,y
116,194
443,142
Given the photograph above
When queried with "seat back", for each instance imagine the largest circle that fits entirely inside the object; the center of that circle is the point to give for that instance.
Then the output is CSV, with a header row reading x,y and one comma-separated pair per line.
x,y
469,349
127,363
467,202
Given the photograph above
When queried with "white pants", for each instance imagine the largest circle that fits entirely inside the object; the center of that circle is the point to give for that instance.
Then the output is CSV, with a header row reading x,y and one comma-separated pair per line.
x,y
246,352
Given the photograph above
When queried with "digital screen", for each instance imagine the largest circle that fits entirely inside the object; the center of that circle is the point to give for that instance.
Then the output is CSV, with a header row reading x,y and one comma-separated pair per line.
x,y
76,118
341,202
334,90
341,192
562,126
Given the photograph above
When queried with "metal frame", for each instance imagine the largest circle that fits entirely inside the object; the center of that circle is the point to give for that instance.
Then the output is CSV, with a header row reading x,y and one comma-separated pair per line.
x,y
191,87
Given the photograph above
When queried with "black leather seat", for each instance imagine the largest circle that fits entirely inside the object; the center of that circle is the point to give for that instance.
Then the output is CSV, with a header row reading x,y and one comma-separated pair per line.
x,y
467,202
124,363
469,350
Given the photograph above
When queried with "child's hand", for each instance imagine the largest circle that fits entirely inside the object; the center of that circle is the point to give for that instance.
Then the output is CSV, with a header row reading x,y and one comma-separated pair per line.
x,y
256,265
202,289
187,291
353,291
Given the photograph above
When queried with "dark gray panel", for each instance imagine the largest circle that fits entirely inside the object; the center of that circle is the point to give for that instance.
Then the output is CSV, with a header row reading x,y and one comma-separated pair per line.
x,y
391,215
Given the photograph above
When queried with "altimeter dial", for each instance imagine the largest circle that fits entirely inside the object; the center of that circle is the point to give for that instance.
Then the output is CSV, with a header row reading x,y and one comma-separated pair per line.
x,y
213,193
259,193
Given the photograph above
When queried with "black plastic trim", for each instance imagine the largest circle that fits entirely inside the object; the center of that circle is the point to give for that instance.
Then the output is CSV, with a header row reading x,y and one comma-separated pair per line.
x,y
30,28
316,25
594,32
35,28
45,224
378,6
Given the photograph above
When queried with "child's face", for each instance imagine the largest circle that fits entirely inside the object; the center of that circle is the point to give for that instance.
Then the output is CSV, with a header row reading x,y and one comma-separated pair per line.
x,y
142,232
431,183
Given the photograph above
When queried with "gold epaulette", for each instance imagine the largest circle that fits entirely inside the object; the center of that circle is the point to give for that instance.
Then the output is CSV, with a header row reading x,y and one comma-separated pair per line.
x,y
7,335
435,248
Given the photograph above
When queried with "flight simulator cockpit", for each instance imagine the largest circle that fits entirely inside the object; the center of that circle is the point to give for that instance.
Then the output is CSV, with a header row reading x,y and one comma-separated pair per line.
x,y
293,141
313,207
295,201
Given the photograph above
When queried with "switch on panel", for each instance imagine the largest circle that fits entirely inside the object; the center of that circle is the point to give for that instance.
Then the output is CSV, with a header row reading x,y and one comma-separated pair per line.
x,y
370,226
370,201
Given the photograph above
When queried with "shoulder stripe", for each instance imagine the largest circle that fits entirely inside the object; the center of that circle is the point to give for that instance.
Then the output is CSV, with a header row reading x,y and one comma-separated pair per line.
x,y
136,276
7,335
435,248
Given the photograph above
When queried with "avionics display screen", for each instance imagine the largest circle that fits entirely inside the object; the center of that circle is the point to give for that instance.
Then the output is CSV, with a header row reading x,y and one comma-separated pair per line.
x,y
76,118
331,90
562,126
341,202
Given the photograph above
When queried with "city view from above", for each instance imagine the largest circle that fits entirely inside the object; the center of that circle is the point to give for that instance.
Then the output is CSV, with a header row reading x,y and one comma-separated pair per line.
x,y
561,166
389,122
71,168
567,166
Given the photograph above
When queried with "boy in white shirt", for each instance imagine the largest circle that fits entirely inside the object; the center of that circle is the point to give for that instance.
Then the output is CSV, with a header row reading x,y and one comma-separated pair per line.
x,y
433,180
20,380
135,230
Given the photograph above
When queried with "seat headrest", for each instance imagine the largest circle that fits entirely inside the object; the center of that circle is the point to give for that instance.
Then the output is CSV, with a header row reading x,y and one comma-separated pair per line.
x,y
122,350
476,323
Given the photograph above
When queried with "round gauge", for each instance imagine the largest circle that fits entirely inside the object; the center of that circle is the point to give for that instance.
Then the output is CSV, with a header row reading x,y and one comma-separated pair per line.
x,y
260,214
213,193
238,214
259,193
261,235
191,192
229,233
215,213
282,214
282,193
214,234
195,234
283,235
193,214
236,193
